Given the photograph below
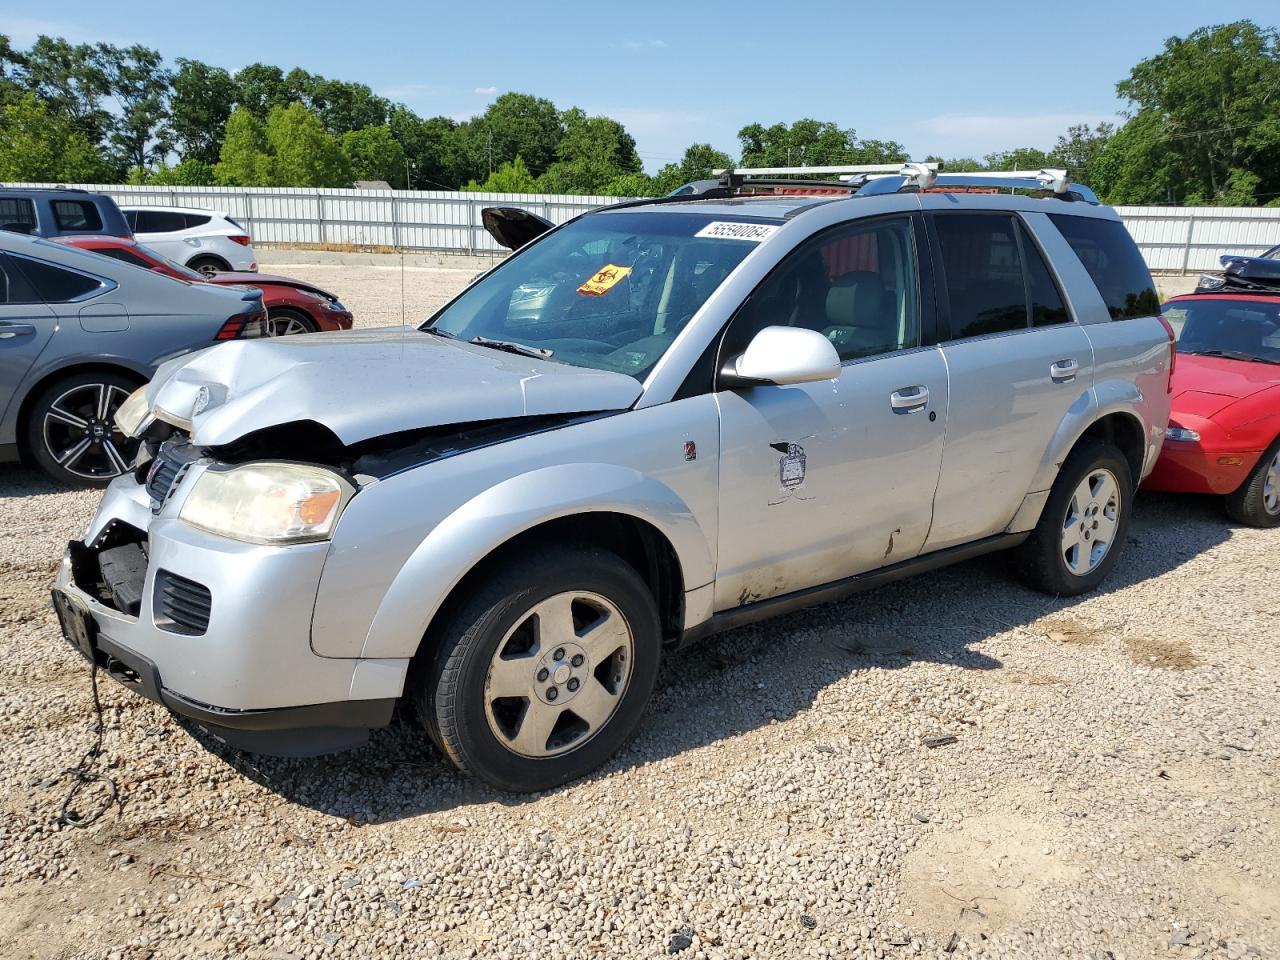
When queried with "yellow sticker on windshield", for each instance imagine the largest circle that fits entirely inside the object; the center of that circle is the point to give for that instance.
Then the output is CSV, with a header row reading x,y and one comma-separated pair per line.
x,y
603,280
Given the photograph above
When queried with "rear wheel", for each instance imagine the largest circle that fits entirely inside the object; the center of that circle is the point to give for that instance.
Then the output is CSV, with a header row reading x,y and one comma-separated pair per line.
x,y
545,671
1084,524
72,432
282,322
208,265
1257,501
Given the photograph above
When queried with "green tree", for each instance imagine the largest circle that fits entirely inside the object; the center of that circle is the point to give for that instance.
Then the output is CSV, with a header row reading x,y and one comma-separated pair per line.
x,y
243,160
70,80
511,177
1020,158
345,107
593,152
374,154
629,185
698,163
11,65
431,148
515,123
302,152
1078,150
1212,100
812,143
38,144
139,83
202,100
190,172
259,87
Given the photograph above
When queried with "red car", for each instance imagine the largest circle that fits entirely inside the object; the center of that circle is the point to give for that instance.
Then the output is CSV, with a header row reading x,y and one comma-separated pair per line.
x,y
1224,428
292,306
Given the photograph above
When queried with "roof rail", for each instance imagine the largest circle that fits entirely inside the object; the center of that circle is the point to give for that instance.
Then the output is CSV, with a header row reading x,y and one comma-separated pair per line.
x,y
1052,180
846,169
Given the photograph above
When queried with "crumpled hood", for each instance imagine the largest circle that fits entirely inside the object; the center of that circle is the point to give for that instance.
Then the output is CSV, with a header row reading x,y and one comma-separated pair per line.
x,y
368,383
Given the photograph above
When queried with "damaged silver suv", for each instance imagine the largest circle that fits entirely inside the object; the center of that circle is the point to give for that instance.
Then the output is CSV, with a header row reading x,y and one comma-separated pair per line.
x,y
659,420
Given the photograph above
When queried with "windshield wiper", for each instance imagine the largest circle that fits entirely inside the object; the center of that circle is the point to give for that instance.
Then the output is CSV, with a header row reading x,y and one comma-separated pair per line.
x,y
1232,355
510,346
436,331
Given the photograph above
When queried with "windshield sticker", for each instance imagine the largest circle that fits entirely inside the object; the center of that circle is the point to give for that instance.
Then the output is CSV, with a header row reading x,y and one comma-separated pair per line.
x,y
725,230
603,280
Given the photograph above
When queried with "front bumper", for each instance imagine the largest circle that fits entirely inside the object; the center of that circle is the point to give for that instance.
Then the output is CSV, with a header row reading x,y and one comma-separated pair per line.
x,y
248,669
1188,466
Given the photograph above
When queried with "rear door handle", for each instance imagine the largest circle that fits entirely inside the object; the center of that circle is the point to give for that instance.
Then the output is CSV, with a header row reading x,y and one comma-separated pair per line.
x,y
1064,371
910,399
10,330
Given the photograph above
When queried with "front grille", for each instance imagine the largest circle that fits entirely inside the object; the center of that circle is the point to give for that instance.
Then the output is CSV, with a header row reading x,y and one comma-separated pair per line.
x,y
181,605
172,460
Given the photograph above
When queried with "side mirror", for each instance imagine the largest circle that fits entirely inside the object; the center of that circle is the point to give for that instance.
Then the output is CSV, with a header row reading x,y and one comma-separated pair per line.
x,y
784,355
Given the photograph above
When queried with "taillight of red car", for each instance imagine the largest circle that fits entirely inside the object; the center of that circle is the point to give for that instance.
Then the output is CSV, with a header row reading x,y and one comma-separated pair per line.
x,y
244,326
1173,350
240,238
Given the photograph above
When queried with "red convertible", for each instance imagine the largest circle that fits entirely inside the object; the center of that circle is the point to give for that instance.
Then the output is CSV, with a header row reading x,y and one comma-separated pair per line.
x,y
1224,429
292,306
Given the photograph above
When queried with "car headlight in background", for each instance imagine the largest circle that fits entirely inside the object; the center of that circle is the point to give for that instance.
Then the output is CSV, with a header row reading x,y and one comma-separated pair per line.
x,y
267,502
1175,432
131,413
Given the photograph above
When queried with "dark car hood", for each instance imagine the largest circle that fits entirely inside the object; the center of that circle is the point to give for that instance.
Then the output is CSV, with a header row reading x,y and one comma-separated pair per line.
x,y
368,383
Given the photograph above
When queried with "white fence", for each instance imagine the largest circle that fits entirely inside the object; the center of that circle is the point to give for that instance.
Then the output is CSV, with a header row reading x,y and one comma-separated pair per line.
x,y
1172,239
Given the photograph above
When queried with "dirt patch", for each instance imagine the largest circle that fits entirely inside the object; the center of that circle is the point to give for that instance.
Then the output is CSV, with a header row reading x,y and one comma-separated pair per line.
x,y
1165,653
989,873
1066,630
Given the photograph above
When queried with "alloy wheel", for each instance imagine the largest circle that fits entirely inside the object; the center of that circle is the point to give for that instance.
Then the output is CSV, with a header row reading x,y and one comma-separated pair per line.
x,y
558,676
1271,486
285,325
80,431
1093,516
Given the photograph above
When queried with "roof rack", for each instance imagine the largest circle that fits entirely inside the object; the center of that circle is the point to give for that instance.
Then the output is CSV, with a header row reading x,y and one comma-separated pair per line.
x,y
1050,180
846,169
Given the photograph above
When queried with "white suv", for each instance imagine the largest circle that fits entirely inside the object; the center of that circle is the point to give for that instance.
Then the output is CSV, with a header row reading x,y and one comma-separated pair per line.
x,y
205,240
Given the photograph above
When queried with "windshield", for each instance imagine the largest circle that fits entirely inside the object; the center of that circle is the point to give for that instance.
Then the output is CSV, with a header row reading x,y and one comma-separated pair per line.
x,y
186,272
609,291
1240,329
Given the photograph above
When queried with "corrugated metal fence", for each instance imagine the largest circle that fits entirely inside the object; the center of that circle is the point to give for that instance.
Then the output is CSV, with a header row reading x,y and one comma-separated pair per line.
x,y
1173,239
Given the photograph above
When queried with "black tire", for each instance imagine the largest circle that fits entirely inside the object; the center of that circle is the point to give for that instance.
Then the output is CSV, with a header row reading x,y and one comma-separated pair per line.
x,y
284,317
209,265
1249,503
52,440
451,686
1041,561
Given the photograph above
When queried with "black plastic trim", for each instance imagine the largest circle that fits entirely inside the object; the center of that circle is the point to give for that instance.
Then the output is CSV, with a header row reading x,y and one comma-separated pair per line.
x,y
849,586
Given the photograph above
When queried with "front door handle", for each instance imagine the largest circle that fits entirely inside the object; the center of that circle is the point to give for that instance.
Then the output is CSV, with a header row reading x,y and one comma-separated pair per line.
x,y
10,330
1064,371
910,399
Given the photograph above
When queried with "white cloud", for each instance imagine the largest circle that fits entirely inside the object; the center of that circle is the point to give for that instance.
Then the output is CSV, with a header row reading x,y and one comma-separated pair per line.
x,y
486,91
409,92
645,44
975,135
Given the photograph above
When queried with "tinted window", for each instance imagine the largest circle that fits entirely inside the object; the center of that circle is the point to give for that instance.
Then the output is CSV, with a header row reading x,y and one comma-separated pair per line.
x,y
195,219
1047,307
124,256
1113,261
982,263
54,284
160,221
18,216
76,215
14,287
856,285
1241,329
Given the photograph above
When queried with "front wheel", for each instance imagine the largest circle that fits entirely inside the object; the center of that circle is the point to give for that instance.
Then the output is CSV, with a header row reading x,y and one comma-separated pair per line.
x,y
1257,501
283,322
545,671
1084,524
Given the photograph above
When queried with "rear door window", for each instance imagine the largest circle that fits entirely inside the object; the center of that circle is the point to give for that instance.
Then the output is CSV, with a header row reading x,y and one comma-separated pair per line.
x,y
982,267
1114,262
76,216
160,221
54,284
17,215
1047,306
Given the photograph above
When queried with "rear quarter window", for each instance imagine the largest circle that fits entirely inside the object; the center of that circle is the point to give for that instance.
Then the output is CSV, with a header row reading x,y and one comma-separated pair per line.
x,y
195,219
1113,262
54,284
76,215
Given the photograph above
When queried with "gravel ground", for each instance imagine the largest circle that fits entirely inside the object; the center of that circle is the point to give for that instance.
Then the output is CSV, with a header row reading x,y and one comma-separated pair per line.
x,y
1109,794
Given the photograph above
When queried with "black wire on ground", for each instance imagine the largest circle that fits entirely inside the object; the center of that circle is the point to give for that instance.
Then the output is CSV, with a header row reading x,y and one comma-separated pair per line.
x,y
83,774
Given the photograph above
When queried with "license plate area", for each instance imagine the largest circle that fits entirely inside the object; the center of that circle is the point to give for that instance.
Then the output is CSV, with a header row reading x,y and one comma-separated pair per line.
x,y
77,623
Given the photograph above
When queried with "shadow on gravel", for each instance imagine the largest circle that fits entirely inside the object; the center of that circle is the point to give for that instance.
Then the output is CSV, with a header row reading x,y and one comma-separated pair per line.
x,y
753,676
19,480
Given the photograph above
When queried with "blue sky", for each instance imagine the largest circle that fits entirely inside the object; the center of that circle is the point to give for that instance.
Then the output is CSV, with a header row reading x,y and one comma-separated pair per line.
x,y
998,75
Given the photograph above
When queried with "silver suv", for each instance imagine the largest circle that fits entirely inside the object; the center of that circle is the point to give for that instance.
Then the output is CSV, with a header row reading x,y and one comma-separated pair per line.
x,y
657,421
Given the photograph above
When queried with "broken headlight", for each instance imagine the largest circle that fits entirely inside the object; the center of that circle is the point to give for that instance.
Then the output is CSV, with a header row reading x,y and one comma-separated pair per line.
x,y
131,414
267,502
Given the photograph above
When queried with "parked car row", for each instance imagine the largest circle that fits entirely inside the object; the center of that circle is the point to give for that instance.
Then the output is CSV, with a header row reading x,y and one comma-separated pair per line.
x,y
87,318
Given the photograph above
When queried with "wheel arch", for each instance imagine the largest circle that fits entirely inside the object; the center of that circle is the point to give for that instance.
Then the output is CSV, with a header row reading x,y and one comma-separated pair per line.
x,y
203,255
601,505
